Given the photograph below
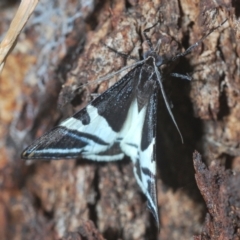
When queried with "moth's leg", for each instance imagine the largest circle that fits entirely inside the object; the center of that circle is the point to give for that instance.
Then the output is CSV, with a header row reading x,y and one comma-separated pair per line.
x,y
177,75
120,53
95,95
189,50
147,38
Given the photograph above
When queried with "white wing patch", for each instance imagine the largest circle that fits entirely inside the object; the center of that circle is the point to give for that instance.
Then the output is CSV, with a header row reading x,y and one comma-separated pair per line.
x,y
131,131
98,125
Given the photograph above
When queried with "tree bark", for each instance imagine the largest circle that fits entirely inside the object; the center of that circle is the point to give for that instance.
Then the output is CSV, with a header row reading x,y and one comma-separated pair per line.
x,y
66,46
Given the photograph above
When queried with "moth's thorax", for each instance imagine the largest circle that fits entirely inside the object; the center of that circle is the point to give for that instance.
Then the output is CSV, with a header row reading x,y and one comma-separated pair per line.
x,y
151,56
146,82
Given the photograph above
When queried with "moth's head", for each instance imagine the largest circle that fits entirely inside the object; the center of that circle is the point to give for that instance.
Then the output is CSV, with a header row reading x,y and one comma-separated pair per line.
x,y
159,60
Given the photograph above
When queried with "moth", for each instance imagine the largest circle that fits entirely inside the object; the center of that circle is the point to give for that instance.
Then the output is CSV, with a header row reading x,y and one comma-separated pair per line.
x,y
120,122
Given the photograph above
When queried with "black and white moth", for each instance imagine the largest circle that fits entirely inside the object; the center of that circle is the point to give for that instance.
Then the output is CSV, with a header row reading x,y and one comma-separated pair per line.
x,y
120,122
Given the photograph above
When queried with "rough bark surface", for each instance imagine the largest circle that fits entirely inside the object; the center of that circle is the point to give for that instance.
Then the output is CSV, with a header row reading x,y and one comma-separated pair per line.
x,y
63,47
220,190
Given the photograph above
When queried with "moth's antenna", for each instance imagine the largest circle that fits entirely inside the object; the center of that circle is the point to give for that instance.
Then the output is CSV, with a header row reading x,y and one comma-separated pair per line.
x,y
166,101
101,79
108,76
197,43
160,78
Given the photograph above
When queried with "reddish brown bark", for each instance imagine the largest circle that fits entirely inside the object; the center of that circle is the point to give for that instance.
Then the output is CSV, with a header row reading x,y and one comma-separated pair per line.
x,y
40,86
